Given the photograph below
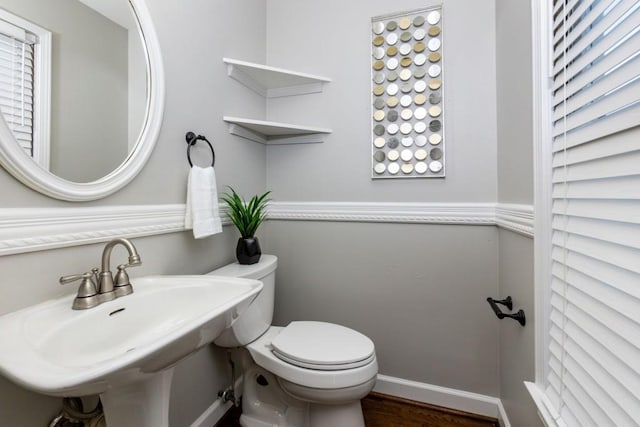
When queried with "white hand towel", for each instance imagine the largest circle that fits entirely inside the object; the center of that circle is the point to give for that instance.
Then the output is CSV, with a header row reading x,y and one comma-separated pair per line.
x,y
202,212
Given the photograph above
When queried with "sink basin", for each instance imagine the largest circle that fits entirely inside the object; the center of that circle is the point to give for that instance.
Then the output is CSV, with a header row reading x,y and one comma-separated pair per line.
x,y
130,342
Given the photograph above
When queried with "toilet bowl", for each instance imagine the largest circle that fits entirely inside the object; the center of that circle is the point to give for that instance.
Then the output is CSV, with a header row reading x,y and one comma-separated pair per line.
x,y
304,374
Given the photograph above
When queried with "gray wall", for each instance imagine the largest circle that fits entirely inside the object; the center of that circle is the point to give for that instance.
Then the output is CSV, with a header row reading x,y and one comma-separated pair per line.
x,y
515,185
198,92
418,290
88,87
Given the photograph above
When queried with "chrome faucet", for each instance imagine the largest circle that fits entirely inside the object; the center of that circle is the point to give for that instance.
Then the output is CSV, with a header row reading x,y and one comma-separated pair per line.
x,y
98,288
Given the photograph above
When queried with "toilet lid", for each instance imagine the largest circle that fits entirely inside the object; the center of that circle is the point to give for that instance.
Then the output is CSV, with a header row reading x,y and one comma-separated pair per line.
x,y
323,346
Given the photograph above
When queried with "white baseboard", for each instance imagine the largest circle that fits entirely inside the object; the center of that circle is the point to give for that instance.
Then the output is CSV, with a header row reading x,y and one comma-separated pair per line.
x,y
502,415
213,414
442,396
427,393
217,409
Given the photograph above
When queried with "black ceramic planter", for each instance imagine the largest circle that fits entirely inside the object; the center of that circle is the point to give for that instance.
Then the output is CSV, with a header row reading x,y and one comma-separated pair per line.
x,y
248,250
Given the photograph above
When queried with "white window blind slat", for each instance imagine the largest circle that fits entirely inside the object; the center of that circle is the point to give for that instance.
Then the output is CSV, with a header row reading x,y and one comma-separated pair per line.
x,y
568,7
625,164
558,6
625,187
16,85
17,64
593,68
619,302
617,121
568,317
12,67
582,309
558,390
610,210
599,38
593,359
23,111
19,127
585,407
23,108
610,253
607,104
611,146
578,416
606,83
557,354
615,277
586,361
578,11
605,231
25,84
554,385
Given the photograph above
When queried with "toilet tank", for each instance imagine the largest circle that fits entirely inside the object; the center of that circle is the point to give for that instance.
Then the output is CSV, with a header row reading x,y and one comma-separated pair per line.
x,y
256,319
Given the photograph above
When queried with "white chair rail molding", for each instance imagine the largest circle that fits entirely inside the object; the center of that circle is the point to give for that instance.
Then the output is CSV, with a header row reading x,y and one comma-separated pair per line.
x,y
33,229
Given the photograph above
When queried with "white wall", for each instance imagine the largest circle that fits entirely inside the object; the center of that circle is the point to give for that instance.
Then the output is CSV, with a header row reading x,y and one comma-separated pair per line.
x,y
332,38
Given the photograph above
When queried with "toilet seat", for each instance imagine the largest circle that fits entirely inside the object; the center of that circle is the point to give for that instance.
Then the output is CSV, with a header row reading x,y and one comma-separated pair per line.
x,y
325,367
323,346
261,351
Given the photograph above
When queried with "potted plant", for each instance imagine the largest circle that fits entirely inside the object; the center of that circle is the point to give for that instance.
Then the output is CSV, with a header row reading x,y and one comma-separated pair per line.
x,y
247,217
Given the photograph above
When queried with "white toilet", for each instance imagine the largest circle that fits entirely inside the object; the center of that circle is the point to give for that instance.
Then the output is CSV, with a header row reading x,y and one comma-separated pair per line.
x,y
307,374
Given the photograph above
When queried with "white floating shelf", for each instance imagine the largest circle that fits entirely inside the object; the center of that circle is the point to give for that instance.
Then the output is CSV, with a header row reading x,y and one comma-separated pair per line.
x,y
272,82
273,133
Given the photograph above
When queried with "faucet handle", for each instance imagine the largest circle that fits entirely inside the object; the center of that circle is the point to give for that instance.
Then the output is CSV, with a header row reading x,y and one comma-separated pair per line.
x,y
71,278
122,286
122,277
87,296
87,287
95,274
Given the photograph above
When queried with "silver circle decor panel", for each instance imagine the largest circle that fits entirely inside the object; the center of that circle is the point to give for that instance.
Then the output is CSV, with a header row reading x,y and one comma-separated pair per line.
x,y
407,95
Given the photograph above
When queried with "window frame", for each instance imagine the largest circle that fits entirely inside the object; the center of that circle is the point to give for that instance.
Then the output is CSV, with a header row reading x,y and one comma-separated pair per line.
x,y
542,155
41,89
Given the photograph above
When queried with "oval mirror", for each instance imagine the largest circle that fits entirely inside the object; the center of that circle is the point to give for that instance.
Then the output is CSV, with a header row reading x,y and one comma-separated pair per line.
x,y
83,104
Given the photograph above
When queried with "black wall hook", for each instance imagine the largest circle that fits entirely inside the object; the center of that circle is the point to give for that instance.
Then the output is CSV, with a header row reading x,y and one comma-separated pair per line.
x,y
192,138
507,302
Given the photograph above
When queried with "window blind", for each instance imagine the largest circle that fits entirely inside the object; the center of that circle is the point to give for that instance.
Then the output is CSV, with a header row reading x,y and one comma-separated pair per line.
x,y
17,82
593,355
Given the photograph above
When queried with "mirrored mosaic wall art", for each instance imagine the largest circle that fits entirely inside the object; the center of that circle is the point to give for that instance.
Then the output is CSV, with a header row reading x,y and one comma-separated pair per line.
x,y
407,114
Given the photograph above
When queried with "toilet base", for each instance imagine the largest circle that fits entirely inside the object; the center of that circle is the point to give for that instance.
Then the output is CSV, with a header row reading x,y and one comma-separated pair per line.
x,y
266,404
349,414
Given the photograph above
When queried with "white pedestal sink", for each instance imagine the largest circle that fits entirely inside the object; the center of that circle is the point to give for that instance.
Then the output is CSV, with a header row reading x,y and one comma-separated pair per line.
x,y
124,349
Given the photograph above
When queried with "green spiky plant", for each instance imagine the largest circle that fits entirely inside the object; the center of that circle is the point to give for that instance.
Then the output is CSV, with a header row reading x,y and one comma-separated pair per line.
x,y
247,217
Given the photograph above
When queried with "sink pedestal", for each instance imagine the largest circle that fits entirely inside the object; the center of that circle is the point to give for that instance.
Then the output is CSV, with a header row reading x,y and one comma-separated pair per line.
x,y
140,404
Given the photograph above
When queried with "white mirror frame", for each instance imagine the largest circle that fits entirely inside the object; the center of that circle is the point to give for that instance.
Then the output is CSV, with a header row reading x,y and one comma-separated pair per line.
x,y
22,167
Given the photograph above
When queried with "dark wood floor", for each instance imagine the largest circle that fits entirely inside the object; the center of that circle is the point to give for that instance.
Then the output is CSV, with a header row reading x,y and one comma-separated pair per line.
x,y
381,410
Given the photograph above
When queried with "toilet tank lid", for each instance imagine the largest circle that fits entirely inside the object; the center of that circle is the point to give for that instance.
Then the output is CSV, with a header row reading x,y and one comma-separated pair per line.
x,y
259,270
